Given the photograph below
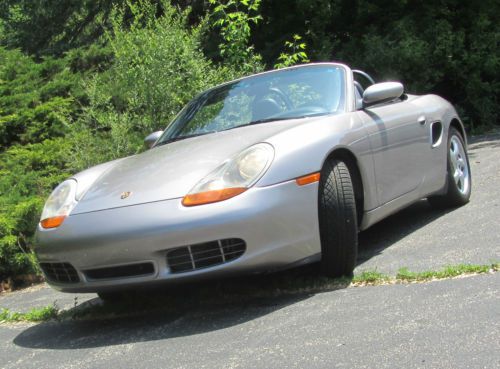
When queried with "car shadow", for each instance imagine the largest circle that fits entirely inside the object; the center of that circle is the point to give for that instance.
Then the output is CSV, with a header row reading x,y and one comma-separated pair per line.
x,y
387,232
146,326
491,137
179,311
214,305
486,141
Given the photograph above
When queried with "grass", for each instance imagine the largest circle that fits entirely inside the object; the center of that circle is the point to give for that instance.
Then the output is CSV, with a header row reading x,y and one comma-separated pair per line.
x,y
237,292
369,277
448,272
406,276
34,315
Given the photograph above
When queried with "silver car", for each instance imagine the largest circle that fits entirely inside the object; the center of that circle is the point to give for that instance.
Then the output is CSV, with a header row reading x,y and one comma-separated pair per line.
x,y
262,173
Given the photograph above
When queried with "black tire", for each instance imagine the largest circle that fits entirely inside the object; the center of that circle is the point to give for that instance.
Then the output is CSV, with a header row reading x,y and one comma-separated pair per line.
x,y
457,194
338,226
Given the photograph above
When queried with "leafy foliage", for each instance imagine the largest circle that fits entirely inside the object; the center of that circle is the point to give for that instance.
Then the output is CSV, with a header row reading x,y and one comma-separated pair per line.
x,y
158,67
35,99
234,18
296,53
448,47
83,81
51,27
27,174
37,106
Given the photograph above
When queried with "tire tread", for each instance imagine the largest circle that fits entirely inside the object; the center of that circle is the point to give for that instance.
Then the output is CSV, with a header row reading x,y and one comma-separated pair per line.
x,y
337,220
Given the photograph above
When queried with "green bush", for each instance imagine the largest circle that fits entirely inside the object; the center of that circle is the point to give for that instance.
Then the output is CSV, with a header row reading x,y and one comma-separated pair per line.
x,y
94,104
52,27
36,99
446,47
158,67
82,82
234,19
27,174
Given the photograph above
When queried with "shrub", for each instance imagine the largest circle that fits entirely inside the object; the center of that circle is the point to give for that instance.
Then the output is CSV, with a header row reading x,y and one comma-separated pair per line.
x,y
158,67
27,174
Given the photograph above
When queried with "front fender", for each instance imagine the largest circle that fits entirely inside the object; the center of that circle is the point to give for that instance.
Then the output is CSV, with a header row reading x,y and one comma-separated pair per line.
x,y
303,150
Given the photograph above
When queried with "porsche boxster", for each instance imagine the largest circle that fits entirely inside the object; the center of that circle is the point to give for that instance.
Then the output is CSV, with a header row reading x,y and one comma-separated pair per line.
x,y
266,172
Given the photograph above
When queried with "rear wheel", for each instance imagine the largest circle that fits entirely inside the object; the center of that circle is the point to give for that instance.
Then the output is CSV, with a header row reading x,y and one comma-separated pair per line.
x,y
337,220
458,175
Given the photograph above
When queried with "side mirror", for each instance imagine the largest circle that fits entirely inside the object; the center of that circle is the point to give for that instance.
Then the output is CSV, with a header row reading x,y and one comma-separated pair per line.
x,y
382,92
150,140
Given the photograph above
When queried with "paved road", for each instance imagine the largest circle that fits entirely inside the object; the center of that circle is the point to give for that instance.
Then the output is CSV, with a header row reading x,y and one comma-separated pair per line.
x,y
445,324
422,238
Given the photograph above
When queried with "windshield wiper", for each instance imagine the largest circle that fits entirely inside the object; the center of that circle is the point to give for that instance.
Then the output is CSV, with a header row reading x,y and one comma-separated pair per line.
x,y
267,120
174,139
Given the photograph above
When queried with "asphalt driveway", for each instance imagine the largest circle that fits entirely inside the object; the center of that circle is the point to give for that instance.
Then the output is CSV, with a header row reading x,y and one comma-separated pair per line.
x,y
446,324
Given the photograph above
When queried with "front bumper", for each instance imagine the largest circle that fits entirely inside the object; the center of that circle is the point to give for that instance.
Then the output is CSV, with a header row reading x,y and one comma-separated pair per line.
x,y
278,223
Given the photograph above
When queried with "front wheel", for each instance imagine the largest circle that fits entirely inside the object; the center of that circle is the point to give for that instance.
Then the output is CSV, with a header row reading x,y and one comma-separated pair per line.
x,y
337,220
458,176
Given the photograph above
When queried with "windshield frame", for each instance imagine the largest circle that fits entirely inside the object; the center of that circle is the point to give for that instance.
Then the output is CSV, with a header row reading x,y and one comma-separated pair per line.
x,y
169,134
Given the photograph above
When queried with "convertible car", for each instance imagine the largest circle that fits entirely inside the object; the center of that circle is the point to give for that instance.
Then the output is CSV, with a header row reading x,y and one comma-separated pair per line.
x,y
266,172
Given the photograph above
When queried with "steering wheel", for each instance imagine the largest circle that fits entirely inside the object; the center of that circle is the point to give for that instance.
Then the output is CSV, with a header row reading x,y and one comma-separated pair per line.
x,y
286,100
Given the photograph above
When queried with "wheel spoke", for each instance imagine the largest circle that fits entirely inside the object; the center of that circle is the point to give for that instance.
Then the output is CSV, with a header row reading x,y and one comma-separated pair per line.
x,y
459,165
454,160
454,148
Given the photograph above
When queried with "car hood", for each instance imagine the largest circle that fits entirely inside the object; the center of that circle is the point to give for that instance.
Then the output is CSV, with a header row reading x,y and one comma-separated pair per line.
x,y
172,170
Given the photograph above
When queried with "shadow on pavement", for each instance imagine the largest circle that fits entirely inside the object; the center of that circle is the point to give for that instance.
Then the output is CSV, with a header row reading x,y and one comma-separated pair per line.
x,y
177,312
147,326
382,235
483,145
490,138
213,305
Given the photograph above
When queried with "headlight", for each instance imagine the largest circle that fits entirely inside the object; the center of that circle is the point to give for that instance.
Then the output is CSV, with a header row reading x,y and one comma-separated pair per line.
x,y
60,203
233,177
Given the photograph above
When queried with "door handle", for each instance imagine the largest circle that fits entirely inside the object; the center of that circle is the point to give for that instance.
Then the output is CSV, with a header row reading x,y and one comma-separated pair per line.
x,y
422,120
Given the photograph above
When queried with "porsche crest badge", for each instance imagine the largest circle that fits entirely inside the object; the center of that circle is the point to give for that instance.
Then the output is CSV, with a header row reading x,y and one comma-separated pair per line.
x,y
126,194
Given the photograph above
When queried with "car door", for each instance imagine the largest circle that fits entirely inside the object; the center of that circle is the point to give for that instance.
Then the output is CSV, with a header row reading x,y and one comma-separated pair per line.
x,y
399,140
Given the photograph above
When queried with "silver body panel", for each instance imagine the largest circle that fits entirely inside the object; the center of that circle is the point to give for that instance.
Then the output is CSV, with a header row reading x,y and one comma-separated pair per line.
x,y
277,222
391,142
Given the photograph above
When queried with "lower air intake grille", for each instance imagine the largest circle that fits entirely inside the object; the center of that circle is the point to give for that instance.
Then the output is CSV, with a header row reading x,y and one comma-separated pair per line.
x,y
122,271
203,255
60,272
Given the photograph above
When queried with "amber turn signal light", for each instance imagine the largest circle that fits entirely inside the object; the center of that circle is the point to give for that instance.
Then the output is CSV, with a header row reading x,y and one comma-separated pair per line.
x,y
310,178
211,196
53,222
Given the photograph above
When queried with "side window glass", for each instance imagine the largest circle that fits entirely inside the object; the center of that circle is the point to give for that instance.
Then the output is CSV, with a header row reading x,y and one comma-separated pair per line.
x,y
358,95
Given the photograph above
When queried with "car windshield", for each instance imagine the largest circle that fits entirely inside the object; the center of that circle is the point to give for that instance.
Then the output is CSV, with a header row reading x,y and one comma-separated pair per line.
x,y
280,95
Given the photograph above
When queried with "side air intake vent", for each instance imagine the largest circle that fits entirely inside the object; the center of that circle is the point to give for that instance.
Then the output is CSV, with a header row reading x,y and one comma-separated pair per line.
x,y
436,133
204,255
